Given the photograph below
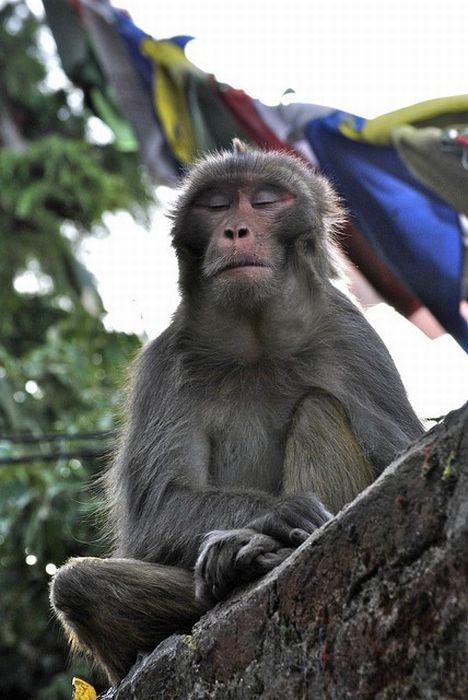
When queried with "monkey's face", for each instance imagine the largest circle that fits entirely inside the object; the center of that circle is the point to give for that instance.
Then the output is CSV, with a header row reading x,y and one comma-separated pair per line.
x,y
245,223
236,232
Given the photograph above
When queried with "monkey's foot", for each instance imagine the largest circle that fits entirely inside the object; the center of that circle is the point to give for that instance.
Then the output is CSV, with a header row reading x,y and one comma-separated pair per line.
x,y
118,608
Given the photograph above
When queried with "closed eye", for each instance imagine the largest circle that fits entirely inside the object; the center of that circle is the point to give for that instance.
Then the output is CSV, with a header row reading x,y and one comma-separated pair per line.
x,y
266,196
264,202
214,201
216,207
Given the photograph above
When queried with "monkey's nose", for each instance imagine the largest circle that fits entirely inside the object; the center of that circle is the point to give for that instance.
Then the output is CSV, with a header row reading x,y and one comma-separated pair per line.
x,y
232,233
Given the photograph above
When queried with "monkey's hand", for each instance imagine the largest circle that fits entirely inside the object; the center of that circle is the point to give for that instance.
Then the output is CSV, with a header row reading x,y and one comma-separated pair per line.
x,y
292,520
229,558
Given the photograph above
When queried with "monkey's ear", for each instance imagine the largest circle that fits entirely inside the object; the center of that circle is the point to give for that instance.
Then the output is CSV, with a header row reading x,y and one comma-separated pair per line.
x,y
239,146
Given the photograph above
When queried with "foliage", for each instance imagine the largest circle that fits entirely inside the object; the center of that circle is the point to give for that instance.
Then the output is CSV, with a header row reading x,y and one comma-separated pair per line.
x,y
60,369
38,110
55,181
47,510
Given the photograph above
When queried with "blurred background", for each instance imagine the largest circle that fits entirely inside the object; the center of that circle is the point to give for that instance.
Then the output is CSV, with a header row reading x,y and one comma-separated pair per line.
x,y
100,112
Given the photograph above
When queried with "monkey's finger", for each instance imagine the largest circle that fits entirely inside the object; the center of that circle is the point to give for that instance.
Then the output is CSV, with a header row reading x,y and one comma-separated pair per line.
x,y
299,523
297,519
219,546
289,533
223,574
305,512
298,535
209,589
220,590
273,525
205,573
269,560
204,562
259,544
203,593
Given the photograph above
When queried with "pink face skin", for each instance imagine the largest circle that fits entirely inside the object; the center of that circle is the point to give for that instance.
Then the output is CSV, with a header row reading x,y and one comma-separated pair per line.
x,y
240,219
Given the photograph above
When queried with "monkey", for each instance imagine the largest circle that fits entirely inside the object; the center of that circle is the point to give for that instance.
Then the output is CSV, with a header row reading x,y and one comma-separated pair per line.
x,y
267,404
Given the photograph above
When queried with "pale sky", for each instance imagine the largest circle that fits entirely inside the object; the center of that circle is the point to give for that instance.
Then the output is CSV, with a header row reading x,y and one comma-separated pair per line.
x,y
364,56
367,57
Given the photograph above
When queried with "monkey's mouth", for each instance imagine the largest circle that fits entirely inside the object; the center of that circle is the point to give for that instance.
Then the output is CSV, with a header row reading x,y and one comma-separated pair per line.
x,y
230,265
243,265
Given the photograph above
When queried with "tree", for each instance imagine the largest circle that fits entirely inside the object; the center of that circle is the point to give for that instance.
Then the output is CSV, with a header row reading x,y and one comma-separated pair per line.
x,y
60,368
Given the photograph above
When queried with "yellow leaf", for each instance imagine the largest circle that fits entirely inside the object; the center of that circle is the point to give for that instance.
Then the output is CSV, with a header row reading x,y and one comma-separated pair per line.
x,y
83,690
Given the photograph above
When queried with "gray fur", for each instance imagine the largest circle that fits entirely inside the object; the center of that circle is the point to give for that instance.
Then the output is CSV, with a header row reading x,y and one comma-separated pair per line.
x,y
263,406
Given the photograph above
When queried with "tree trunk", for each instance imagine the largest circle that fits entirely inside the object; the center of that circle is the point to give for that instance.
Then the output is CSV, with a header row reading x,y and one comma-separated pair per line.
x,y
10,135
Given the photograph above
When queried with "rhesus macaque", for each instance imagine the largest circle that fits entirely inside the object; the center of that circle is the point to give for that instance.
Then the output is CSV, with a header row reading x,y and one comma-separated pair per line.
x,y
267,404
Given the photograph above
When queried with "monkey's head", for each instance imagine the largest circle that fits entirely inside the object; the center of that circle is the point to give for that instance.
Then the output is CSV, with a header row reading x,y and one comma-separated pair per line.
x,y
245,220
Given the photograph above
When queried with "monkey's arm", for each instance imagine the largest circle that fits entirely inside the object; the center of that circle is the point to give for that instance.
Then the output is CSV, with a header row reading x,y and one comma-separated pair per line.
x,y
165,516
357,369
323,455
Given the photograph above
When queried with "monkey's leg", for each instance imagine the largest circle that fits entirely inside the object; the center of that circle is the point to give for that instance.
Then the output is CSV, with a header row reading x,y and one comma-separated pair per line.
x,y
323,454
116,608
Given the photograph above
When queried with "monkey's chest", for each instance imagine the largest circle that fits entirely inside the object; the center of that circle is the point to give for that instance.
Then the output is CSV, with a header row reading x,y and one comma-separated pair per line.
x,y
248,440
